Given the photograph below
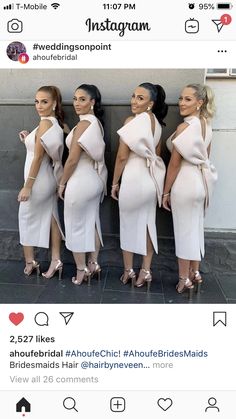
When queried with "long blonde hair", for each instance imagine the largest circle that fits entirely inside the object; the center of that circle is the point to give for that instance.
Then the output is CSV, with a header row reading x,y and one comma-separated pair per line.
x,y
205,93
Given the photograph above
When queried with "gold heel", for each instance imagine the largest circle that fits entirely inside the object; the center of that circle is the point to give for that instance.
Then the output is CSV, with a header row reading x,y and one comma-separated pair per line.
x,y
128,275
57,268
196,280
146,278
95,269
183,285
34,266
85,277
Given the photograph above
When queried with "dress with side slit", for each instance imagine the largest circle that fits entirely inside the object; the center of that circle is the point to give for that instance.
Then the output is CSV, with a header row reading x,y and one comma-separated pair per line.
x,y
192,188
35,214
141,184
85,189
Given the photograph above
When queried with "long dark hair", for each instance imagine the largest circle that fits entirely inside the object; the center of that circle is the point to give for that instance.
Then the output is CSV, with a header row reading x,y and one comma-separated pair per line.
x,y
158,96
95,94
56,95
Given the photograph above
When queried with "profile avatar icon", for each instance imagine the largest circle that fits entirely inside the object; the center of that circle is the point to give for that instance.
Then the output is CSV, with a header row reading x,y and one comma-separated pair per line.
x,y
15,49
212,404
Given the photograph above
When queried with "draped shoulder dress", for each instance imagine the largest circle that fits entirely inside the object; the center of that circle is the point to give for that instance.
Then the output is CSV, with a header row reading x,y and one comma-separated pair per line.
x,y
192,189
141,184
85,189
36,213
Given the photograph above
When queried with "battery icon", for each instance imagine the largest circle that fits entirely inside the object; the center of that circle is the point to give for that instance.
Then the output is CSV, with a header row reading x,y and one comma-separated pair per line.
x,y
224,6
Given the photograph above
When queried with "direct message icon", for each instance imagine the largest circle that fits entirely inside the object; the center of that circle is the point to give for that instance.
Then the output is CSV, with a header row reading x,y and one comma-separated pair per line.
x,y
164,404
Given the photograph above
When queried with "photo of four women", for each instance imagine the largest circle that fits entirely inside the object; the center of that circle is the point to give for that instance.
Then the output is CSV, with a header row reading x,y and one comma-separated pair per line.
x,y
140,182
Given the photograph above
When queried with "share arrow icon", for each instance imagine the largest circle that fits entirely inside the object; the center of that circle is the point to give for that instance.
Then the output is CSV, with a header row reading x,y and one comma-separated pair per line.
x,y
66,316
218,24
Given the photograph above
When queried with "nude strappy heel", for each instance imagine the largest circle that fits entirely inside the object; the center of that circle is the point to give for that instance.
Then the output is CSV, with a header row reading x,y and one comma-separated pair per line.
x,y
34,266
95,269
183,285
127,276
86,276
196,280
58,268
146,278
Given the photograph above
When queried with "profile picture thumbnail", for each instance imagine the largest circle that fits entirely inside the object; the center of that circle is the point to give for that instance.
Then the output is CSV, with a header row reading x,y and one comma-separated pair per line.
x,y
15,49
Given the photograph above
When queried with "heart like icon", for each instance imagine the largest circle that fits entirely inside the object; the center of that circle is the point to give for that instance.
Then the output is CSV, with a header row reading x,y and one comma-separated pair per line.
x,y
16,318
164,404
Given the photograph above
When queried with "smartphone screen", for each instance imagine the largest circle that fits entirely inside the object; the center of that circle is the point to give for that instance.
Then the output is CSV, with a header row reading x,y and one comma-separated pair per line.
x,y
118,199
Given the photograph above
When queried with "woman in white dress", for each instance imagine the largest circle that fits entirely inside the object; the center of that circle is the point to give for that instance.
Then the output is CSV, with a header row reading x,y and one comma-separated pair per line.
x,y
84,177
139,163
38,215
189,181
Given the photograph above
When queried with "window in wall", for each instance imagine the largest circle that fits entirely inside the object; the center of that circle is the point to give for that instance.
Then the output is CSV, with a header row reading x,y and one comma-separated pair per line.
x,y
221,72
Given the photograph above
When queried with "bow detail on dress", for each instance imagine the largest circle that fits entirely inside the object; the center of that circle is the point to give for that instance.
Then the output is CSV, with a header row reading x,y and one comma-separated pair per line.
x,y
157,171
209,176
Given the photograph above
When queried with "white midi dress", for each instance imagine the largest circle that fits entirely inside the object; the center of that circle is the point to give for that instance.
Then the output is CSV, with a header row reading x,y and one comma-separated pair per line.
x,y
36,213
192,188
85,189
141,185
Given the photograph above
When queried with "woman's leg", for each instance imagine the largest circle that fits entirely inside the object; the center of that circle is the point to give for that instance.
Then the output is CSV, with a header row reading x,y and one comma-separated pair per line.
x,y
194,273
93,256
29,257
93,265
146,264
81,268
55,238
128,267
184,281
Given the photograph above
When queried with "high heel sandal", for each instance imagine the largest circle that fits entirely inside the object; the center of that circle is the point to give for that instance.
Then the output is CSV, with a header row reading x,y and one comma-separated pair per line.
x,y
196,279
34,265
183,285
58,268
147,279
86,276
130,276
96,269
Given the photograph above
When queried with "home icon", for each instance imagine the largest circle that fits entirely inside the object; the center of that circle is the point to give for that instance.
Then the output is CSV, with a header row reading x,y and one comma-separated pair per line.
x,y
23,405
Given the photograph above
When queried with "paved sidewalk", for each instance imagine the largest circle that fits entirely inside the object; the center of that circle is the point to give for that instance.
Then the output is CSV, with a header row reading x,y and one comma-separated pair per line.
x,y
16,288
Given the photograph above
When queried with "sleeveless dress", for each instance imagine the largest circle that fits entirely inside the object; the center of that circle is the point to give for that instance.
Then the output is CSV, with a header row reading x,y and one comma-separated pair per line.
x,y
85,189
141,185
35,215
192,189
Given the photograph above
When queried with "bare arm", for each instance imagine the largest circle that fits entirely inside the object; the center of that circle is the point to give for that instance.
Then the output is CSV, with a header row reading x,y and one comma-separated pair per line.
x,y
173,169
121,160
39,151
74,155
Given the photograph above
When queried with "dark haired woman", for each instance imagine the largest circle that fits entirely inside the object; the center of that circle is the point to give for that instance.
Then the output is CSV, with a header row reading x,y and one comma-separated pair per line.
x,y
38,214
138,161
189,181
85,177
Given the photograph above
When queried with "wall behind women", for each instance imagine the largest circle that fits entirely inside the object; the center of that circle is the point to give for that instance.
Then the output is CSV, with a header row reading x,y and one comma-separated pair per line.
x,y
221,214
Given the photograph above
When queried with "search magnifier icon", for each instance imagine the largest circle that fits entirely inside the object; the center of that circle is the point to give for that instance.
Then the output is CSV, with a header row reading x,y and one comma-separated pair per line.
x,y
69,403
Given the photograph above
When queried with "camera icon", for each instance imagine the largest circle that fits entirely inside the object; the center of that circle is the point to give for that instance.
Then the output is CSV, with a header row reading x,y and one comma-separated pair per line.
x,y
15,26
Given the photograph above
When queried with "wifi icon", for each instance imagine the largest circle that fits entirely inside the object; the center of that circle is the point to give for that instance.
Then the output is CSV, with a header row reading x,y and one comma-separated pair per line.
x,y
55,5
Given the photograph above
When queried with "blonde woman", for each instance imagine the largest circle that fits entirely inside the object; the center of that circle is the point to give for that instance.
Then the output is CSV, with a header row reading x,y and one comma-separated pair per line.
x,y
189,181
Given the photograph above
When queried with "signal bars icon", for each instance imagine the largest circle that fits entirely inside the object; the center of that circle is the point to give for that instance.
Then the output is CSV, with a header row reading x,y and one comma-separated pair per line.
x,y
55,5
9,7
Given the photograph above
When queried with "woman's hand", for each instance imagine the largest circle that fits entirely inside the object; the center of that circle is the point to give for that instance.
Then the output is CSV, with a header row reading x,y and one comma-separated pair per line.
x,y
166,202
115,191
23,135
24,194
61,190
